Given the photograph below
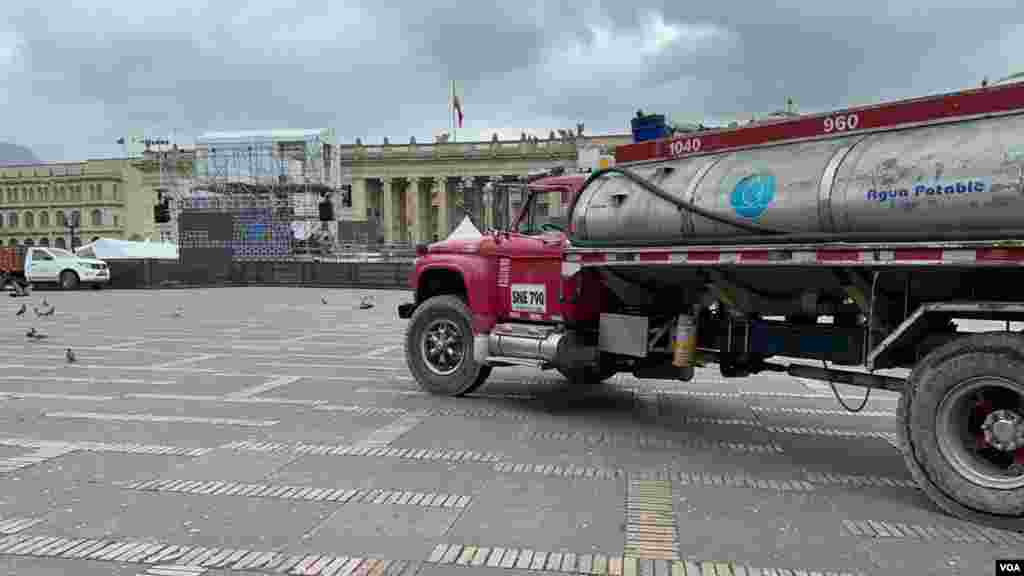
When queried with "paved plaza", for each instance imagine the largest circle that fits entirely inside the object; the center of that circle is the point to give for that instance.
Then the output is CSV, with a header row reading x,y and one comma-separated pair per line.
x,y
255,431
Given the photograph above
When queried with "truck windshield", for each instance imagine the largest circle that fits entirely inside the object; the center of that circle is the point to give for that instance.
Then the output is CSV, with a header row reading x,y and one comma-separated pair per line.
x,y
544,212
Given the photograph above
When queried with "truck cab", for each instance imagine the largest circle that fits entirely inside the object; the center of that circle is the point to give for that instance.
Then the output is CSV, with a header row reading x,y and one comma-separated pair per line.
x,y
498,298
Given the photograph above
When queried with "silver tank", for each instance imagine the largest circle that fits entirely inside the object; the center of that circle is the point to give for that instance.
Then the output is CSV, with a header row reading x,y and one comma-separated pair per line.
x,y
954,177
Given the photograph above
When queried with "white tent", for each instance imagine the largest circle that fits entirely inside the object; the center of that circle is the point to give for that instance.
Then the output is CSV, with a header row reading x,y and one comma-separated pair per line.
x,y
465,230
112,249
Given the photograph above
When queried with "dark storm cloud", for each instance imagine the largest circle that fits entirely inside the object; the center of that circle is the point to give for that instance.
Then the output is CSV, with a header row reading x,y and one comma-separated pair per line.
x,y
83,77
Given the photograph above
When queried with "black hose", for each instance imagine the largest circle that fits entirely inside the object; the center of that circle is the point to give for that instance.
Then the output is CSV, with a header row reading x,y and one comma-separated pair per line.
x,y
681,204
768,235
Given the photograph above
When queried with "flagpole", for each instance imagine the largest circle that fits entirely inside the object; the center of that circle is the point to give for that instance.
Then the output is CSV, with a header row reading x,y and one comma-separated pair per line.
x,y
454,128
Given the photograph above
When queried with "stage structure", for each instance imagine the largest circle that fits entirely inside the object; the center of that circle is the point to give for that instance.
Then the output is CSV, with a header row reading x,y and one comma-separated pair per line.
x,y
261,196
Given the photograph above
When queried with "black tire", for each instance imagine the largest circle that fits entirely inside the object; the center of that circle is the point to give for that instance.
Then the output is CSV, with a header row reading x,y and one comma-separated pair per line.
x,y
68,280
468,375
947,371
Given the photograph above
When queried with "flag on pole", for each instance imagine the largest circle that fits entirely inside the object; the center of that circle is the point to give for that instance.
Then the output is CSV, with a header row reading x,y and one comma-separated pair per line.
x,y
456,105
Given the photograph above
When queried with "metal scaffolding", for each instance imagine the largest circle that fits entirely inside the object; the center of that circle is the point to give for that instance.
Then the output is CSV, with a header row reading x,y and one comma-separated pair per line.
x,y
272,184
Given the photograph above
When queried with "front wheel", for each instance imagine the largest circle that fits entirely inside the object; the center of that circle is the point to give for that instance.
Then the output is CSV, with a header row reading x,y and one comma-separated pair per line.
x,y
439,348
68,280
962,423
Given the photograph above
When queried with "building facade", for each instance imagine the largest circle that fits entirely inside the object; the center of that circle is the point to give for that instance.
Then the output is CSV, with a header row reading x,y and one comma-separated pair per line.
x,y
398,193
39,204
411,193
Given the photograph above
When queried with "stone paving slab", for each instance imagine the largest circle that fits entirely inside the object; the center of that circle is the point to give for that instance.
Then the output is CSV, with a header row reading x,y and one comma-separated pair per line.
x,y
99,431
402,532
228,465
524,512
108,512
28,566
105,467
370,473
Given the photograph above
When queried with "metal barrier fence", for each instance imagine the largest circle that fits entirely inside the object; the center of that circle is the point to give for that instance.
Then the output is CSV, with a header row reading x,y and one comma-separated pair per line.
x,y
137,274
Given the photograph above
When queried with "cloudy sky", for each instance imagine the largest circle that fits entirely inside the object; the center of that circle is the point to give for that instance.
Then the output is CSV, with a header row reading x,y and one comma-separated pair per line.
x,y
78,75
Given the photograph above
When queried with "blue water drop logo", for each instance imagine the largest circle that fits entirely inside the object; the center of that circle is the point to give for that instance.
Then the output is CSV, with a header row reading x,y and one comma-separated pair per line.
x,y
753,195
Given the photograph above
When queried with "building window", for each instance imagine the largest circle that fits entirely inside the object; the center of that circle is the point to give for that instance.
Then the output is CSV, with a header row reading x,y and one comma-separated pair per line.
x,y
96,217
12,195
13,241
60,194
61,218
59,243
117,220
44,241
30,220
99,191
30,242
76,218
117,192
44,219
12,219
44,194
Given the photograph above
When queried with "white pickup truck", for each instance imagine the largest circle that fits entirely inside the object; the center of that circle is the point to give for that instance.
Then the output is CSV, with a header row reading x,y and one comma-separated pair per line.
x,y
33,265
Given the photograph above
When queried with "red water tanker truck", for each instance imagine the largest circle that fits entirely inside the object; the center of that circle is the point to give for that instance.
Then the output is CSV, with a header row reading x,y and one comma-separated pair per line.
x,y
844,243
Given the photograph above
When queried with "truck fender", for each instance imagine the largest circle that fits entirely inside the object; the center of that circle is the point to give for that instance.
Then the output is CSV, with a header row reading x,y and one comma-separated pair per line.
x,y
468,280
448,276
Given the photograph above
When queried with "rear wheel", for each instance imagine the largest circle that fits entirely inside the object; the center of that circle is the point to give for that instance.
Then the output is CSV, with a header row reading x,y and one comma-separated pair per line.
x,y
962,422
68,280
439,348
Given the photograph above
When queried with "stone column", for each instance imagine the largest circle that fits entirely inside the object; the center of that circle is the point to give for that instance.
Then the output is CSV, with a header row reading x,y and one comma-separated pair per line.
x,y
359,199
412,209
487,206
433,191
470,199
387,209
555,204
445,191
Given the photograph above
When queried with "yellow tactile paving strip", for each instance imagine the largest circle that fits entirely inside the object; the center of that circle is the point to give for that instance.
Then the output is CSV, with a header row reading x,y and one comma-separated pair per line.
x,y
650,520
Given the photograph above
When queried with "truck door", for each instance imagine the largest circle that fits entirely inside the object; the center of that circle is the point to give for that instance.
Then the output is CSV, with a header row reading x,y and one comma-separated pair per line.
x,y
530,264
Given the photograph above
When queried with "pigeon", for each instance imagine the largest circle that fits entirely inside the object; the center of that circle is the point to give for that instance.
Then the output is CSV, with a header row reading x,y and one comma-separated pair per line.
x,y
38,313
323,299
35,335
70,356
366,303
21,311
46,304
178,313
50,311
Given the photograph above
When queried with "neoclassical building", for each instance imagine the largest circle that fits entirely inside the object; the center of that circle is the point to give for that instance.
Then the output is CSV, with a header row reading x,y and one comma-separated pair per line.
x,y
106,198
418,192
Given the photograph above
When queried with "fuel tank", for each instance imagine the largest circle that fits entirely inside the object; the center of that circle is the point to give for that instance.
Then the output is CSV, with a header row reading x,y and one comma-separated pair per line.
x,y
954,177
